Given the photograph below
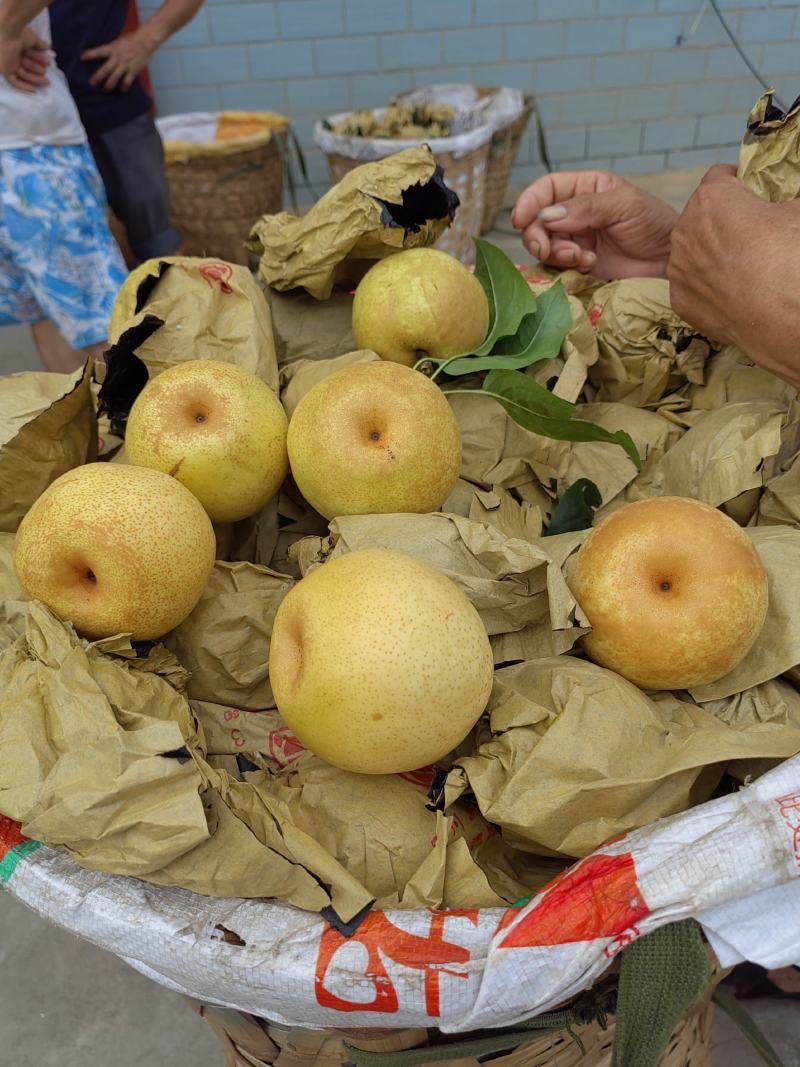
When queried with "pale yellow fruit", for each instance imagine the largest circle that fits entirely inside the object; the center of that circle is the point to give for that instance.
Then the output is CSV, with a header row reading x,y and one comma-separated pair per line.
x,y
218,429
379,663
116,549
419,303
374,438
675,592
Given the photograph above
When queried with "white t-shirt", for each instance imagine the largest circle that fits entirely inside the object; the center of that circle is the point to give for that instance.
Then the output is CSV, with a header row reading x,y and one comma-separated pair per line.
x,y
46,116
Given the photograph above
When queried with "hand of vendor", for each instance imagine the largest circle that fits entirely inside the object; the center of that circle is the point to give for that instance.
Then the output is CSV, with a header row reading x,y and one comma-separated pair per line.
x,y
125,58
24,58
733,269
594,221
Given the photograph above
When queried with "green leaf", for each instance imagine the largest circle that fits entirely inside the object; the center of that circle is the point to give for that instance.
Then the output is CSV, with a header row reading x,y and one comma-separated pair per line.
x,y
520,390
575,508
509,295
747,1026
539,336
537,410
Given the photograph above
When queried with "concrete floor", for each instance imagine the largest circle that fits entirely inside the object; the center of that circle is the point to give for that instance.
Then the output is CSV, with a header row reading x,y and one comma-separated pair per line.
x,y
66,1003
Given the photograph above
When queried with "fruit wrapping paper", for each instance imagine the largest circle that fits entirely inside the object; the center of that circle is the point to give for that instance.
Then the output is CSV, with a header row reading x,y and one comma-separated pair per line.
x,y
202,309
47,426
769,150
377,209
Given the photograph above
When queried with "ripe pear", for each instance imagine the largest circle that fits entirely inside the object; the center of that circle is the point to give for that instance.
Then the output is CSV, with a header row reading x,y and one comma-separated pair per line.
x,y
116,549
218,429
379,663
675,591
373,438
418,303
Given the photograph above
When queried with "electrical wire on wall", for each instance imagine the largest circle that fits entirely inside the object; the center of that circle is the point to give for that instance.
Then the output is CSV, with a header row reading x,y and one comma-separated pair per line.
x,y
753,70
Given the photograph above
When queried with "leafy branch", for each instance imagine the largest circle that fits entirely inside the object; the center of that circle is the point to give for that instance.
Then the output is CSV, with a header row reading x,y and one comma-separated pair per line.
x,y
523,331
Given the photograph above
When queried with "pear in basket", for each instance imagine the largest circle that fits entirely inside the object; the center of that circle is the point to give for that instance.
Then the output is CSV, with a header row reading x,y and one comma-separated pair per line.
x,y
374,438
218,429
378,662
675,592
418,303
115,549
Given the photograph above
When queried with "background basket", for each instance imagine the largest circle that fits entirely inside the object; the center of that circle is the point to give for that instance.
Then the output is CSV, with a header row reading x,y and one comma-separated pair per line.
x,y
502,156
466,174
218,188
252,1042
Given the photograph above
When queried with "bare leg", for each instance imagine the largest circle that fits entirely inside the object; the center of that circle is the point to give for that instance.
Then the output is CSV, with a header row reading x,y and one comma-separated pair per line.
x,y
54,352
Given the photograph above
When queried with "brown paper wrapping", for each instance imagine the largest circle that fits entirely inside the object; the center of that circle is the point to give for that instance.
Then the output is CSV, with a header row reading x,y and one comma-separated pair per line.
x,y
376,209
578,755
208,309
304,374
224,643
768,154
305,328
646,350
47,427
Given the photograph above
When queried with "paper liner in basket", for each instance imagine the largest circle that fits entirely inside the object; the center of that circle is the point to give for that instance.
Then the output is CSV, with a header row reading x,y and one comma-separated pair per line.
x,y
47,427
375,210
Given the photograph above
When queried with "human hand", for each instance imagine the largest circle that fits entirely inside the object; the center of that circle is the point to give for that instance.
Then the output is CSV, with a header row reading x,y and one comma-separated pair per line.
x,y
732,271
124,58
596,222
24,58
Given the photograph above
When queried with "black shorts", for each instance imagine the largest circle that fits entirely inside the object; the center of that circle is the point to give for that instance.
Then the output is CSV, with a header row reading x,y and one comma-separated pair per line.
x,y
130,159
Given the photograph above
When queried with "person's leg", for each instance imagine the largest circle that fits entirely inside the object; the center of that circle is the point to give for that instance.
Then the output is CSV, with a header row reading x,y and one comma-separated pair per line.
x,y
55,219
54,352
130,159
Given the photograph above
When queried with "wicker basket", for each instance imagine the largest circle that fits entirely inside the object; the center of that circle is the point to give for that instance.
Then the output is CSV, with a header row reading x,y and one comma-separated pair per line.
x,y
217,190
252,1042
502,156
465,174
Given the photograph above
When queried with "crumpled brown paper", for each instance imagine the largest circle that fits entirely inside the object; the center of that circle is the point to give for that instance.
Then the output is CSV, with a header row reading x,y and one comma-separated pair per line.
x,y
224,643
305,328
376,209
768,154
206,308
646,350
516,585
299,377
47,427
578,755
723,455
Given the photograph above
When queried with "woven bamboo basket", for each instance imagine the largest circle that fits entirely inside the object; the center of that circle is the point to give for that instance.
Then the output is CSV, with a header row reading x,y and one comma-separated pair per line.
x,y
465,174
503,151
218,190
251,1042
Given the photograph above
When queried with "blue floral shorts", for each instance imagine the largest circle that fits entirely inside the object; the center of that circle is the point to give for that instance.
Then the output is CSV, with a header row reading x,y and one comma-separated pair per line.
x,y
58,260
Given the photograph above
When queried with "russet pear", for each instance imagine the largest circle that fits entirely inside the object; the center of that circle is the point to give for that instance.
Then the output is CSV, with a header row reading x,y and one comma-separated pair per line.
x,y
379,663
674,590
116,549
374,438
218,429
418,303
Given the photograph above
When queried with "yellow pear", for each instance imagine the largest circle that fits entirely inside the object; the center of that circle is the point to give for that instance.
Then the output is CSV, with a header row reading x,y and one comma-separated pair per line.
x,y
418,303
218,429
675,592
116,549
379,663
372,438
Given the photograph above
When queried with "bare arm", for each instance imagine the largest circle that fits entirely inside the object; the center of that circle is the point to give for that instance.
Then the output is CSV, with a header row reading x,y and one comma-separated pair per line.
x,y
128,55
23,54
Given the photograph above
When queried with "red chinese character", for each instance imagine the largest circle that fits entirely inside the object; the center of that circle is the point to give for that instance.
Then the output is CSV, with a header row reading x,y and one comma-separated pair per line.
x,y
10,835
218,272
595,311
283,746
382,939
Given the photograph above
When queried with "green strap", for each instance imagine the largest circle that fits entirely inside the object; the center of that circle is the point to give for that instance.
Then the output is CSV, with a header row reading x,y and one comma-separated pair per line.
x,y
592,1006
747,1026
662,976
